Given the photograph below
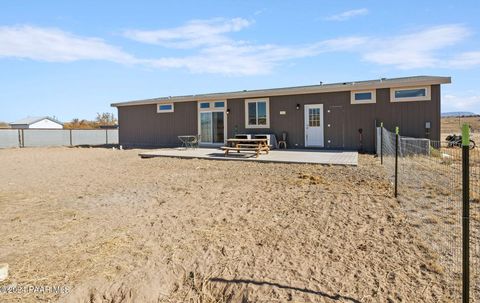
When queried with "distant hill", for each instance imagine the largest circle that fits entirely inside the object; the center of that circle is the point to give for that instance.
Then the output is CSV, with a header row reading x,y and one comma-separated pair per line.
x,y
458,114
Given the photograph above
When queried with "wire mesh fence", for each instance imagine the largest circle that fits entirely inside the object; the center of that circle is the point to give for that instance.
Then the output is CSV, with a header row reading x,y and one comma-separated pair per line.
x,y
475,221
427,178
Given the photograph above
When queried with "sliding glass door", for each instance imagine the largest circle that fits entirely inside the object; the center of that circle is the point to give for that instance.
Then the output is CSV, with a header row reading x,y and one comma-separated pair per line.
x,y
212,121
212,127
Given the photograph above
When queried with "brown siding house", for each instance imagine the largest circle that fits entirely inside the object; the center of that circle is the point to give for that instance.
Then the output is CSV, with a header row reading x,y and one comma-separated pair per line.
x,y
328,116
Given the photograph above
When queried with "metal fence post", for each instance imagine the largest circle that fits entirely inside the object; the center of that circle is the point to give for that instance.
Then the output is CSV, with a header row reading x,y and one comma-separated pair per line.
x,y
23,138
397,130
19,138
71,140
106,136
381,143
465,214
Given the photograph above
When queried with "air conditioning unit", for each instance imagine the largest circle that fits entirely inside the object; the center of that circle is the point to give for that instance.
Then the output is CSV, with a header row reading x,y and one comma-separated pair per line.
x,y
243,136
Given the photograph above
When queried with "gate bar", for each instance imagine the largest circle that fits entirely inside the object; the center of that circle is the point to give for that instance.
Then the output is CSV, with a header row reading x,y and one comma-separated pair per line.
x,y
465,214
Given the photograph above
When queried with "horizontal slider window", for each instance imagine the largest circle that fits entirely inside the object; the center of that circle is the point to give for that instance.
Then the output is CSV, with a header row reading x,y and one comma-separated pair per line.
x,y
165,108
410,94
363,97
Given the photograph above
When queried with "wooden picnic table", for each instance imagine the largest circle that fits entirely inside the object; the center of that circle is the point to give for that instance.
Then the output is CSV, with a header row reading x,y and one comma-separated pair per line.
x,y
257,145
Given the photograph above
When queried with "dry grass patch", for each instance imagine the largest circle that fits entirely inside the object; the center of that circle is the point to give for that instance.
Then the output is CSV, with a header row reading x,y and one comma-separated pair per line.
x,y
430,220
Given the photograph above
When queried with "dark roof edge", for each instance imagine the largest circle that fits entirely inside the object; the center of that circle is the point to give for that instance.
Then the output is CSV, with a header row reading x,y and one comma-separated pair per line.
x,y
332,87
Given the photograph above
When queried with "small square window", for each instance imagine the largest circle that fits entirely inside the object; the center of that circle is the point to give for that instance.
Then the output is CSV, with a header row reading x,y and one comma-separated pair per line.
x,y
205,105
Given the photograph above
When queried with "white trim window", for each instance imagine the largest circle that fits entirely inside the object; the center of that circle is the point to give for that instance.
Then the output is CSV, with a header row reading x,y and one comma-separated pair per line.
x,y
363,97
204,105
217,105
165,108
257,113
404,94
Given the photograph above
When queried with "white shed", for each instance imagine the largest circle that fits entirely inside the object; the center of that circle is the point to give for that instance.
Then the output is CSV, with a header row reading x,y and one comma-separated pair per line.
x,y
37,122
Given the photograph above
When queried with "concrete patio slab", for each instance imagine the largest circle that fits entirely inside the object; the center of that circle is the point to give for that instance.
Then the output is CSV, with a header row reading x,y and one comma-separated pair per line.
x,y
280,156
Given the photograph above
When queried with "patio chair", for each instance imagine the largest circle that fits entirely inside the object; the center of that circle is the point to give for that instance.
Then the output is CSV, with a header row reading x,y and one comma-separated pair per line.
x,y
283,141
189,141
194,142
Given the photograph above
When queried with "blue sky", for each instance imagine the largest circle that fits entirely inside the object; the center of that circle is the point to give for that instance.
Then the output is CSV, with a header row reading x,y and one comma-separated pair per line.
x,y
72,59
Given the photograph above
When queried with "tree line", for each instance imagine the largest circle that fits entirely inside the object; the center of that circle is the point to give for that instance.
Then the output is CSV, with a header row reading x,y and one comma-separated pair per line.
x,y
102,119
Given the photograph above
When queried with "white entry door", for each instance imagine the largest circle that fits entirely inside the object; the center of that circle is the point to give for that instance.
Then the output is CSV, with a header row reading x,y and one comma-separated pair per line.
x,y
314,125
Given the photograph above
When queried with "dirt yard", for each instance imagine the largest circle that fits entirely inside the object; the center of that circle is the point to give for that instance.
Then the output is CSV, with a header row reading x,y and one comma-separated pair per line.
x,y
111,227
453,125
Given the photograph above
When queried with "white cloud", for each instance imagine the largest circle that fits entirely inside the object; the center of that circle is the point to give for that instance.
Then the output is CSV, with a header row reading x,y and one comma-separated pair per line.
x,y
250,59
212,50
215,52
469,103
193,34
343,16
465,60
415,50
48,44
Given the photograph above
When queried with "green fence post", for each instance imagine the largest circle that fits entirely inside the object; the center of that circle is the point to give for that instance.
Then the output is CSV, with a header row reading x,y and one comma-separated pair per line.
x,y
465,213
397,131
